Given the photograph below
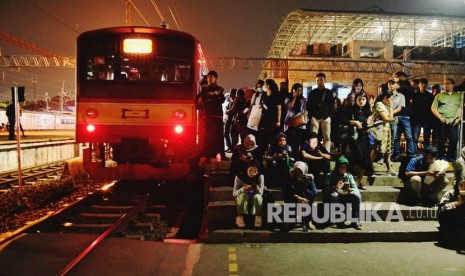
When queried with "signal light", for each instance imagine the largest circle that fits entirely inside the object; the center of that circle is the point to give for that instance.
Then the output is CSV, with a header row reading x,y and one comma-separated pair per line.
x,y
92,113
178,129
180,114
90,128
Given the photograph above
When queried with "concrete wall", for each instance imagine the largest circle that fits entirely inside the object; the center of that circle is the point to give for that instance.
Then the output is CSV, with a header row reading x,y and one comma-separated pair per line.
x,y
37,154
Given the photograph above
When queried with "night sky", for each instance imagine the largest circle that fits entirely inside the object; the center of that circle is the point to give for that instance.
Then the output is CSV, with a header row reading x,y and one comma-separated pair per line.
x,y
225,28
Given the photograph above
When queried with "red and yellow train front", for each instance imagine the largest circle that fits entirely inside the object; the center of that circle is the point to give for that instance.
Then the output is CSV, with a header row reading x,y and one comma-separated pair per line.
x,y
138,131
136,95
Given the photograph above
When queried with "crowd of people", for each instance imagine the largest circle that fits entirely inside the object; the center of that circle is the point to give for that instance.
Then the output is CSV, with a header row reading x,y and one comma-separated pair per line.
x,y
280,138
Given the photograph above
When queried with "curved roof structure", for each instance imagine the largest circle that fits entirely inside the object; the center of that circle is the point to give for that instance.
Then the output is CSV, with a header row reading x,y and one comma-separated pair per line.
x,y
335,27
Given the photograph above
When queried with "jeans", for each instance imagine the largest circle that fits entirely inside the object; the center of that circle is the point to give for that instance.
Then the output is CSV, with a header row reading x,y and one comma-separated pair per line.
x,y
354,198
402,123
416,128
451,133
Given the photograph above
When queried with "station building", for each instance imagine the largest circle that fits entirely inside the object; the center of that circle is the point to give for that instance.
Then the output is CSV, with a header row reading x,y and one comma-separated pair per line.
x,y
370,45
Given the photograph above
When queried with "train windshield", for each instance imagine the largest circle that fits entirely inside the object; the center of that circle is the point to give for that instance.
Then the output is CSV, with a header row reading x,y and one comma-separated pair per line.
x,y
150,59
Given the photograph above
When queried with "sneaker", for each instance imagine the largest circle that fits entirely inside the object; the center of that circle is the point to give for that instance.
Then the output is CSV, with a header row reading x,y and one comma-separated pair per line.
x,y
311,226
240,221
357,225
258,221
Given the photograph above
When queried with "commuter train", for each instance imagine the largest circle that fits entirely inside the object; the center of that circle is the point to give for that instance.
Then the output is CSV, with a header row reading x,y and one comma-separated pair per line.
x,y
32,120
136,92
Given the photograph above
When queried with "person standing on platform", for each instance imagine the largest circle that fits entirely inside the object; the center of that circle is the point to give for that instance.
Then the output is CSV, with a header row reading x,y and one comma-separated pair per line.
x,y
320,106
422,116
210,102
447,107
10,113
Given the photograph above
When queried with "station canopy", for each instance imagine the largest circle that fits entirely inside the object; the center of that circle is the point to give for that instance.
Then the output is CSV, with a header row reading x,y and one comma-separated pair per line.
x,y
316,26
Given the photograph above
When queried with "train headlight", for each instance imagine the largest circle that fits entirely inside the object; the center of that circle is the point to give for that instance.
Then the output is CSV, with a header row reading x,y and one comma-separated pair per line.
x,y
180,114
92,113
90,128
178,129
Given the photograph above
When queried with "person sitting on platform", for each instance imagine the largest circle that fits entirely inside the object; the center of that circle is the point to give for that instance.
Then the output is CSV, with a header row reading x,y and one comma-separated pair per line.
x,y
248,190
416,172
301,189
316,156
243,153
279,161
451,211
342,189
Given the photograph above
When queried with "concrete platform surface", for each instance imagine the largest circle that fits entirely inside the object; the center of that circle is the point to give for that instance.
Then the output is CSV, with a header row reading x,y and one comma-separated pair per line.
x,y
38,135
408,231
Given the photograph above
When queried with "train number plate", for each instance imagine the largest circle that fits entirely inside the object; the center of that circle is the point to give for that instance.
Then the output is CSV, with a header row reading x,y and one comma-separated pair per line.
x,y
135,113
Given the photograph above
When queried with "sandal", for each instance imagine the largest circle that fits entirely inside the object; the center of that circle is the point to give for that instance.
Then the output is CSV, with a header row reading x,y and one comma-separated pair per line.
x,y
391,173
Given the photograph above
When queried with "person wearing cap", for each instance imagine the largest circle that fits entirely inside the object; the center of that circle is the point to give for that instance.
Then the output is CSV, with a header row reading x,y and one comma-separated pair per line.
x,y
342,189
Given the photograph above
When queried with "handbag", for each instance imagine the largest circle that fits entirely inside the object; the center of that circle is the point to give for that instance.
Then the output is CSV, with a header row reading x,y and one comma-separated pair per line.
x,y
376,131
255,117
299,119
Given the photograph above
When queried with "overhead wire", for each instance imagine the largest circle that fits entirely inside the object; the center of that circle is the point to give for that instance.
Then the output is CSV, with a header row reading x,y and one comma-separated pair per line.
x,y
54,17
140,14
173,15
157,9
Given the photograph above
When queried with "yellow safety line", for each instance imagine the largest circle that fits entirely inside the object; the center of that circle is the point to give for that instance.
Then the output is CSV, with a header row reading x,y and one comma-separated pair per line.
x,y
232,258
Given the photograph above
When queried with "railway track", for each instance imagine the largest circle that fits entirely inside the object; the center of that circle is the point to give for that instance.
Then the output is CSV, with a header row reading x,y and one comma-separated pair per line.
x,y
32,175
103,213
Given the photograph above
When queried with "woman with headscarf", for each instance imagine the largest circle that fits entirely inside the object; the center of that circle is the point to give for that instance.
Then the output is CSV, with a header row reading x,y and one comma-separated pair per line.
x,y
301,189
279,160
342,189
243,153
248,189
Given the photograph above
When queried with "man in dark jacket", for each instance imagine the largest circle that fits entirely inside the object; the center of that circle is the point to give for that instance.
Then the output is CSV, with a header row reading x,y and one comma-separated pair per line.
x,y
210,102
320,106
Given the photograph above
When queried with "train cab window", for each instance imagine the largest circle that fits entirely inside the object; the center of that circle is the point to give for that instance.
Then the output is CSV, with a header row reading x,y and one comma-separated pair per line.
x,y
100,68
136,68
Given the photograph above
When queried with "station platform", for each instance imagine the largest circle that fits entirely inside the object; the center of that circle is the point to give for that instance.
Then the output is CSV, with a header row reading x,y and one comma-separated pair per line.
x,y
39,147
38,136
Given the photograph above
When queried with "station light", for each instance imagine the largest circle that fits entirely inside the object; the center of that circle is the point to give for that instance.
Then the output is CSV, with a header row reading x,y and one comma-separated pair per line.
x,y
90,128
178,129
137,46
